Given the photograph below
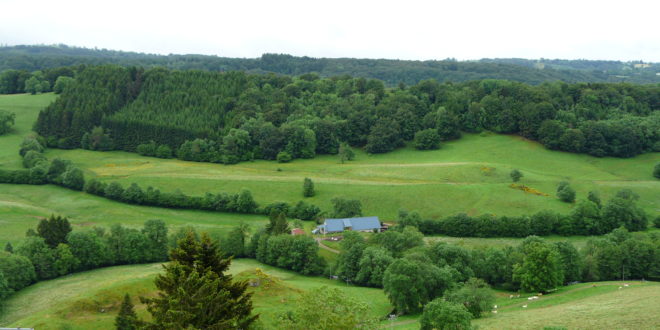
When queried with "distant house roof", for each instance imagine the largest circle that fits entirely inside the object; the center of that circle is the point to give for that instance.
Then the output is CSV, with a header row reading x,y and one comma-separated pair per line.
x,y
297,231
338,225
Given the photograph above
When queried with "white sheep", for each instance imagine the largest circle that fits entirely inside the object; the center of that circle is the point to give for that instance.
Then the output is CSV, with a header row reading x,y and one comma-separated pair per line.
x,y
525,306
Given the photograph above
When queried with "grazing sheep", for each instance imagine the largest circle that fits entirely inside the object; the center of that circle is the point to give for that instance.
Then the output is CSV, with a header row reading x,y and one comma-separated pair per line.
x,y
525,306
494,312
626,285
495,306
511,296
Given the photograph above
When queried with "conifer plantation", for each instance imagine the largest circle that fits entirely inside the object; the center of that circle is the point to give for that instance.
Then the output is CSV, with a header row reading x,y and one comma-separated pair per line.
x,y
228,117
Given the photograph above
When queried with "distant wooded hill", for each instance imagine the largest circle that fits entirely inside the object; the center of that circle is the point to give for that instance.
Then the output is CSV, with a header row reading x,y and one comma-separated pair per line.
x,y
392,72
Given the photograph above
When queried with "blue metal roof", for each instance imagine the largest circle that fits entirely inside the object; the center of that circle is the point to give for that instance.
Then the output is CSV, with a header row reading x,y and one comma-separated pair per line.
x,y
363,223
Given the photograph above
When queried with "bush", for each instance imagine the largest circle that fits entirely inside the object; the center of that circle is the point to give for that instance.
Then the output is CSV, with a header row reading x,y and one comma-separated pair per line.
x,y
164,151
283,157
656,171
565,192
7,120
427,139
441,314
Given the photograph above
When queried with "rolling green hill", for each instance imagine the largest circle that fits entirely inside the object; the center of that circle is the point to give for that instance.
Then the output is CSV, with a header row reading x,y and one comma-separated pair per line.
x,y
39,57
91,299
469,175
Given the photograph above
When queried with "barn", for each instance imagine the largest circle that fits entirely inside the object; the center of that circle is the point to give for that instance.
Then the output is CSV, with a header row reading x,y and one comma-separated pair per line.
x,y
355,224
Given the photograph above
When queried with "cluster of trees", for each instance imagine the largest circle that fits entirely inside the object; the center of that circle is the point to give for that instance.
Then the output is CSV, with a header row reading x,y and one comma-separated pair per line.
x,y
232,117
414,274
7,120
54,249
14,81
391,71
589,217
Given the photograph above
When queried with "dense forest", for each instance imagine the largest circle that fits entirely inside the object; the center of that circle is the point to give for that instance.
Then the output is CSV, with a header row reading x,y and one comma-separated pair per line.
x,y
391,72
236,116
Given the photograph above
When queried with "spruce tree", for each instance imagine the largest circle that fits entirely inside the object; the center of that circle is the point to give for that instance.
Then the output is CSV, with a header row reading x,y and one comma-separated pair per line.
x,y
126,319
308,188
54,230
9,248
196,293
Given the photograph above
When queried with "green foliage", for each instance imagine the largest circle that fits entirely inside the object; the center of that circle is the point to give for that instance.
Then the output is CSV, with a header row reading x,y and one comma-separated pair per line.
x,y
235,243
656,171
17,269
54,230
73,178
410,284
348,263
444,315
541,269
345,153
516,175
196,292
427,139
298,253
127,318
9,248
40,255
62,83
88,248
5,291
30,143
7,120
283,157
65,262
475,295
346,208
328,308
397,242
565,192
308,188
97,139
372,266
278,224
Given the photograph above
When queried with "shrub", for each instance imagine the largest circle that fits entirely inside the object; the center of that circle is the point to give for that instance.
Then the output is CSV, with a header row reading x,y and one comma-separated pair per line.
x,y
427,139
283,157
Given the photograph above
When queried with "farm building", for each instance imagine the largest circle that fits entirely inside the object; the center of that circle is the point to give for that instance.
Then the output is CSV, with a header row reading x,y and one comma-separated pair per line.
x,y
297,231
355,224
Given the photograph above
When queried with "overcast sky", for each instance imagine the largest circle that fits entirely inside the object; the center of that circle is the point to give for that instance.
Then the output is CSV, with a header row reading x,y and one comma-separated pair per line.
x,y
404,29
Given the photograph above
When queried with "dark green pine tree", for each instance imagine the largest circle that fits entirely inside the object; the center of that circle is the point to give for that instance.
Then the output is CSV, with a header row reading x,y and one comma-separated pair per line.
x,y
126,319
9,248
195,292
308,188
54,230
278,224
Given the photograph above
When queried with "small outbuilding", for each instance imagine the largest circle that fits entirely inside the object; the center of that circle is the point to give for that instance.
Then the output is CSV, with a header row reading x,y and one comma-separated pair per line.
x,y
366,224
297,231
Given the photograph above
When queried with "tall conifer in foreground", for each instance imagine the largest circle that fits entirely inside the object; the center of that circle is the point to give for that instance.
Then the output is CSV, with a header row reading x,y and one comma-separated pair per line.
x,y
195,292
126,319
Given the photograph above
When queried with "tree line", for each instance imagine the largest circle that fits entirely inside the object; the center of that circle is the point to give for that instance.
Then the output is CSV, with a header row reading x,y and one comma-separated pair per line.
x,y
14,81
40,170
588,217
54,249
414,273
233,116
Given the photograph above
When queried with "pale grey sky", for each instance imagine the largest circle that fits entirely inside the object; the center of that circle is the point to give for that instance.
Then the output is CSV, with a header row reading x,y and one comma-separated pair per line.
x,y
409,29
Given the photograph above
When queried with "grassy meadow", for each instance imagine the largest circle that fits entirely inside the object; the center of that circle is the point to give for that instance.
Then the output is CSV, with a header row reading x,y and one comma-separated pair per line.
x,y
90,300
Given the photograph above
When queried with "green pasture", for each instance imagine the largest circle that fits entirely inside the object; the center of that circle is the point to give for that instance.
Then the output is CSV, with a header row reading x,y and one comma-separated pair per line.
x,y
22,206
90,300
26,107
468,175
